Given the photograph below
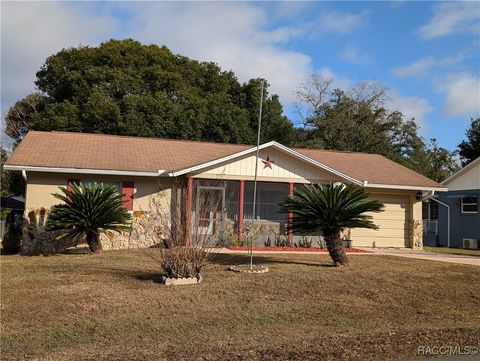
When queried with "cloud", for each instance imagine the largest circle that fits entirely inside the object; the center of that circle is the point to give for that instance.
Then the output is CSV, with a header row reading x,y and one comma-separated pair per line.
x,y
339,81
237,36
421,67
417,68
450,18
342,23
411,107
33,31
354,55
462,93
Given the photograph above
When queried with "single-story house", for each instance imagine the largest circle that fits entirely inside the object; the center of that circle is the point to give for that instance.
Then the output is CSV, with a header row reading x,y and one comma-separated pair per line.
x,y
139,166
453,217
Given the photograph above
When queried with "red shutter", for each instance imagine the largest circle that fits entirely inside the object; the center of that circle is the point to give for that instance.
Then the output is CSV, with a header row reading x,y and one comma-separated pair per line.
x,y
127,191
70,181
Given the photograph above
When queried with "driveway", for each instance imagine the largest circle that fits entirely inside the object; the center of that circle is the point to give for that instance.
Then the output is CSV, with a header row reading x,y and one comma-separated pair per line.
x,y
431,256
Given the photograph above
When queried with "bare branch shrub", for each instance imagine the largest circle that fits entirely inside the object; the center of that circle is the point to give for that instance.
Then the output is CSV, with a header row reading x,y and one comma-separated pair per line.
x,y
177,252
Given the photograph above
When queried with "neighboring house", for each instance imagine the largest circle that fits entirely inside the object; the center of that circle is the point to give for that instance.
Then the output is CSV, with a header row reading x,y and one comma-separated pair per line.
x,y
139,166
462,199
15,206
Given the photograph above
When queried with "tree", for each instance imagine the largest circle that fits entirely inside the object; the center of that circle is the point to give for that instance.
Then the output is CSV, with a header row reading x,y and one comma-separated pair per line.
x,y
329,208
470,148
126,88
439,163
12,182
357,120
86,212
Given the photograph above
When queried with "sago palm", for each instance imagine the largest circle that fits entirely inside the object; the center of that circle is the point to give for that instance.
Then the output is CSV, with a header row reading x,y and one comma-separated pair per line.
x,y
329,208
86,212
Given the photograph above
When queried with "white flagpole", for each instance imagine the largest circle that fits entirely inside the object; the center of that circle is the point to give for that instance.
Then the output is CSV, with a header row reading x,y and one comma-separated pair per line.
x,y
256,172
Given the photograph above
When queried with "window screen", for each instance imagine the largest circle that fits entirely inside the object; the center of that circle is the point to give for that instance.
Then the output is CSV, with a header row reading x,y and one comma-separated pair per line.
x,y
470,204
269,196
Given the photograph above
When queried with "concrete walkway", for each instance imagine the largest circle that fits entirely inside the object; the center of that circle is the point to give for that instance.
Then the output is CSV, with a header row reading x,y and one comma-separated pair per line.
x,y
398,252
430,256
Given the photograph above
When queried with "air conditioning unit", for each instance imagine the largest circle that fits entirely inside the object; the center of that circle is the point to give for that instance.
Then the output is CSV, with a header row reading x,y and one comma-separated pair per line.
x,y
470,243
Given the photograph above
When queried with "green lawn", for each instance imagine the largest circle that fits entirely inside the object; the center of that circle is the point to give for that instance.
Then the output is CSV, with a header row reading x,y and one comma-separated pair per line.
x,y
110,307
459,251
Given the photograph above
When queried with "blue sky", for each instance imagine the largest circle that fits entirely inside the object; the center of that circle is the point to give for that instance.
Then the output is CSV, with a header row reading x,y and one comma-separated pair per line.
x,y
427,53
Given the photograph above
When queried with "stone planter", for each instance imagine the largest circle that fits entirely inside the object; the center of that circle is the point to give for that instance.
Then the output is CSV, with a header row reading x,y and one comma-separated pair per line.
x,y
182,281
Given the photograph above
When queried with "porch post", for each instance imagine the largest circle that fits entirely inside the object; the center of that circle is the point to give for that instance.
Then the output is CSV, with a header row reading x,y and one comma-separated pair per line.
x,y
290,216
241,194
188,211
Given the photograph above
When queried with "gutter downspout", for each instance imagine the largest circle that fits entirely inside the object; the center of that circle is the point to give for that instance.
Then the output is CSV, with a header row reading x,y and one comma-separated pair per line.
x,y
448,217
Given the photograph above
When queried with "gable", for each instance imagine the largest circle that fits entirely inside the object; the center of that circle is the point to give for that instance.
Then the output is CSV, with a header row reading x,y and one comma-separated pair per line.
x,y
284,168
469,179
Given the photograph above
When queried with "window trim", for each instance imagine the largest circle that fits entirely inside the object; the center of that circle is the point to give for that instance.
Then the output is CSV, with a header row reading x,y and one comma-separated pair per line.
x,y
468,204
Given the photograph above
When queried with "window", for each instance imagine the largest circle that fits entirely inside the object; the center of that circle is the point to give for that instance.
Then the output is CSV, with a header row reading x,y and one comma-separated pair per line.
x,y
269,195
469,204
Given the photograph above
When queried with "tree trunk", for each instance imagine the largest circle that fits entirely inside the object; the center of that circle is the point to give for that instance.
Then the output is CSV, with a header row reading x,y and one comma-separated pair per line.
x,y
93,241
335,247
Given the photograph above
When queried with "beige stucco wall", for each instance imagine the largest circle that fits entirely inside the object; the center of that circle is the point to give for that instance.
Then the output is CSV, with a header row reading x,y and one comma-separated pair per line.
x,y
398,223
41,186
285,168
145,224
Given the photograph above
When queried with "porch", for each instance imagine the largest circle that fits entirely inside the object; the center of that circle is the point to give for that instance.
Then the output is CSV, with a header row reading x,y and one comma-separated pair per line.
x,y
223,210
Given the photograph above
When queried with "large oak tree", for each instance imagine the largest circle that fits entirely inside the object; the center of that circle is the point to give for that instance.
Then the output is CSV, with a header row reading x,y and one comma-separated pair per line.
x,y
124,87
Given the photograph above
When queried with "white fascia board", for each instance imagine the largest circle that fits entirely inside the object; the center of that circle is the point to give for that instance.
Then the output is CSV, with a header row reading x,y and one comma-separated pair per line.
x,y
159,173
412,188
313,162
275,145
217,161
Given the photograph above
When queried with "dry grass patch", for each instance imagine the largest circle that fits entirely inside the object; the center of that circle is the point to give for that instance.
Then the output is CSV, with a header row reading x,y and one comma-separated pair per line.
x,y
111,307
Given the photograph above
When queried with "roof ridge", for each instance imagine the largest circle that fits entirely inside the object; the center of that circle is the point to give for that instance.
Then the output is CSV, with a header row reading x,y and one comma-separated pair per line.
x,y
335,151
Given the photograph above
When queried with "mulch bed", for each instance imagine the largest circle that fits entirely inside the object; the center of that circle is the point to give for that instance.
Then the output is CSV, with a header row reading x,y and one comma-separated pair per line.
x,y
292,249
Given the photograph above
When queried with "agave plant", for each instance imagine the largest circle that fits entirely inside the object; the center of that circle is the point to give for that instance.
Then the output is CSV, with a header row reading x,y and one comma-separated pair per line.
x,y
86,212
330,208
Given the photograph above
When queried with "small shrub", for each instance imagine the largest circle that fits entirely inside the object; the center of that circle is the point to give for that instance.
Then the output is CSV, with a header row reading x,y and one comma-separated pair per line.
x,y
183,253
232,240
280,241
321,243
86,212
180,262
305,242
268,242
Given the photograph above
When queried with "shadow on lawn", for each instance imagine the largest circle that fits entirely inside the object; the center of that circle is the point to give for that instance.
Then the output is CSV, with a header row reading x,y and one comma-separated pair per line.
x,y
144,272
235,259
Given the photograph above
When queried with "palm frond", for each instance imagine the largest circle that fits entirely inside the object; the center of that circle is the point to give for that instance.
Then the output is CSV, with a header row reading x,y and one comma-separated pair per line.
x,y
330,206
96,208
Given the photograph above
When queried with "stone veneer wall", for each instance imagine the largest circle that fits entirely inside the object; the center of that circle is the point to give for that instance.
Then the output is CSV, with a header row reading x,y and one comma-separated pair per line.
x,y
36,240
416,234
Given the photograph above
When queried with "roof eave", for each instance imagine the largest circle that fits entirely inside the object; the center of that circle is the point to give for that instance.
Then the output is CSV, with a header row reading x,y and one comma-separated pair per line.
x,y
159,173
404,187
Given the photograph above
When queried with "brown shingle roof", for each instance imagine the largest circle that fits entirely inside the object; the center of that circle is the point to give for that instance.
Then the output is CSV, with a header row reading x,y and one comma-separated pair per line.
x,y
108,152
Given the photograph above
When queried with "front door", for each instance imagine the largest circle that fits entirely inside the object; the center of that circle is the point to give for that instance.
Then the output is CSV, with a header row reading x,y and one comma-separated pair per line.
x,y
210,220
